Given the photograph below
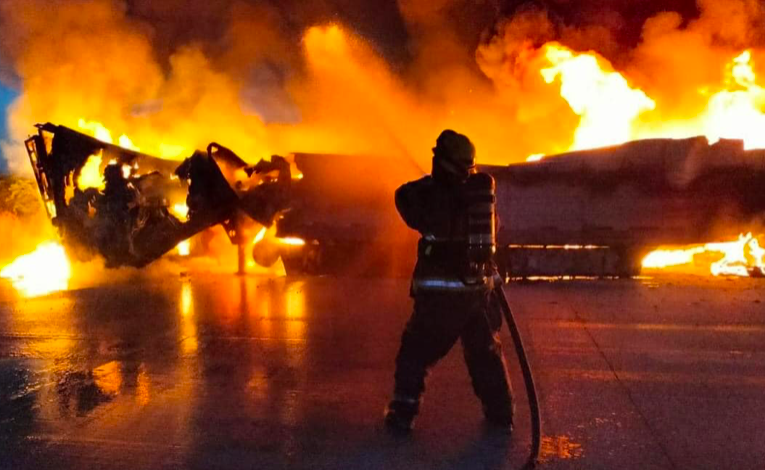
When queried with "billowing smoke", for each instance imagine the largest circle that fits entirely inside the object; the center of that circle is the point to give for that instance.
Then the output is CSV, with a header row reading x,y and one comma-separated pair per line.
x,y
680,62
89,60
355,77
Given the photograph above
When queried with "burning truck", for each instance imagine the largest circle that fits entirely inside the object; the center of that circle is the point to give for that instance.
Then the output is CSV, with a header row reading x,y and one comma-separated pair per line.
x,y
131,208
586,213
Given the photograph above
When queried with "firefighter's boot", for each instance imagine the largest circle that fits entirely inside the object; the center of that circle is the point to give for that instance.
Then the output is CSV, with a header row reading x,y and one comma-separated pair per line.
x,y
499,420
400,414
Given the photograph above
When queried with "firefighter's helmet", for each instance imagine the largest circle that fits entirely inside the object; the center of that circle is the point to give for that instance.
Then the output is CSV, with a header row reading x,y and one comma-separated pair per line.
x,y
455,153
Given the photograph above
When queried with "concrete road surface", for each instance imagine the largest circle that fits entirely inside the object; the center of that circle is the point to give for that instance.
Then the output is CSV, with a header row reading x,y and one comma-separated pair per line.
x,y
219,372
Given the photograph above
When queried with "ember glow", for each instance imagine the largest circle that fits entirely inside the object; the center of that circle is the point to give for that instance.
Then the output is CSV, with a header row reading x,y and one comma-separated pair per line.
x,y
41,272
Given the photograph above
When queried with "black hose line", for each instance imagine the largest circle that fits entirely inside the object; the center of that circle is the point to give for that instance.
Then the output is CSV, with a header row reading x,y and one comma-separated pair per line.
x,y
528,379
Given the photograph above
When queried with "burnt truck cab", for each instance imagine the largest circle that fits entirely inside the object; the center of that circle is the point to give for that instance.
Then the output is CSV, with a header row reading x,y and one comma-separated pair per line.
x,y
122,204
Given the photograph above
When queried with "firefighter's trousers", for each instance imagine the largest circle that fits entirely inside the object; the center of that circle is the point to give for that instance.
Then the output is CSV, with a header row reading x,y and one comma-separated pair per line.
x,y
438,321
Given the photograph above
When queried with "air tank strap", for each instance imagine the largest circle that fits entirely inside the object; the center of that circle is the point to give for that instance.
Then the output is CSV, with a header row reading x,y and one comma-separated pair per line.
x,y
431,246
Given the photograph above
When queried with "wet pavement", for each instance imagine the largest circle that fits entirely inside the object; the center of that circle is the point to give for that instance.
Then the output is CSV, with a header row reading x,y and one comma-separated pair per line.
x,y
214,371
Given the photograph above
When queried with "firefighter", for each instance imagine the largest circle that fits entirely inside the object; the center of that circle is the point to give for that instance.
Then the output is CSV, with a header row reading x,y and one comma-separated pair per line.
x,y
451,301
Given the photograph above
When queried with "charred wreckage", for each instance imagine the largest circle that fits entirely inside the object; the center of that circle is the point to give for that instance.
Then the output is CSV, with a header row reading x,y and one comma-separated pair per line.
x,y
128,220
593,213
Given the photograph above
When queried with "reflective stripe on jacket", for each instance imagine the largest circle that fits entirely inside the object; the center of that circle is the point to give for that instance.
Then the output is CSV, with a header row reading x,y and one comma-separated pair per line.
x,y
444,284
438,210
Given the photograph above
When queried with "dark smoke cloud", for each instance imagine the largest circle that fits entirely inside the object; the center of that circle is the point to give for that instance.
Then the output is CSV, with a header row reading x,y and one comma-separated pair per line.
x,y
420,33
177,22
171,24
401,30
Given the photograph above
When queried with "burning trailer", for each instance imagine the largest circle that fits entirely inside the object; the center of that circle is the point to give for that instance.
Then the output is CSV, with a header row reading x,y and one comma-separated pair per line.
x,y
588,213
600,212
132,208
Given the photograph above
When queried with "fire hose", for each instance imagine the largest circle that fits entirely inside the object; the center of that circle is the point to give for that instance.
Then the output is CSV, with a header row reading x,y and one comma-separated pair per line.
x,y
528,379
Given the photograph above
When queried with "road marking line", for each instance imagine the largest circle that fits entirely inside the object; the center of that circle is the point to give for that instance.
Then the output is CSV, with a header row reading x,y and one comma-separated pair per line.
x,y
659,377
719,328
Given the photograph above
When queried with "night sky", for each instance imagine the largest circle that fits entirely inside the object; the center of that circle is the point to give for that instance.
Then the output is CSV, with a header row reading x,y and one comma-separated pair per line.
x,y
6,96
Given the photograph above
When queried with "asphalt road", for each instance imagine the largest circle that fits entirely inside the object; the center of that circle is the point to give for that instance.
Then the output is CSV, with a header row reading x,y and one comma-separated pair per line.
x,y
214,371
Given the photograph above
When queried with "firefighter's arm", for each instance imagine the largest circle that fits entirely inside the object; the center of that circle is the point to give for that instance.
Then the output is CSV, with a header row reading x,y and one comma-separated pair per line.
x,y
411,207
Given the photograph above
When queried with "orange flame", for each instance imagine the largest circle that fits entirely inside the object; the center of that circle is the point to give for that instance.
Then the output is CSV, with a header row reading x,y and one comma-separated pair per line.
x,y
291,241
180,210
536,157
611,110
739,258
90,174
184,248
41,272
607,104
737,111
100,132
198,102
260,236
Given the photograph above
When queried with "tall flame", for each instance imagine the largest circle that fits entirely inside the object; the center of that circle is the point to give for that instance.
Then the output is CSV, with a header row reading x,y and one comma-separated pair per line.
x,y
611,110
606,103
100,132
737,111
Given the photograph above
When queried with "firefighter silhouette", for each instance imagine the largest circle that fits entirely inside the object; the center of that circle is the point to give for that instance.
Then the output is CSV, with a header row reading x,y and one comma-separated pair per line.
x,y
454,297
